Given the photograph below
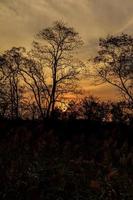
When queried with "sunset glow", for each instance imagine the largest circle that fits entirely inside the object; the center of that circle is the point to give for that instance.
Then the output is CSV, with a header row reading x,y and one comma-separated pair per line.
x,y
20,20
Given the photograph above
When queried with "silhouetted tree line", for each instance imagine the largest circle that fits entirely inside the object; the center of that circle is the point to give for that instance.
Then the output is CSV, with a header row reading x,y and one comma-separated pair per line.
x,y
35,84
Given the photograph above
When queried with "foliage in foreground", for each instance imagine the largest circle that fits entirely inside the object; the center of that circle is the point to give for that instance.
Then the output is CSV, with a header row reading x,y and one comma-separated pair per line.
x,y
41,165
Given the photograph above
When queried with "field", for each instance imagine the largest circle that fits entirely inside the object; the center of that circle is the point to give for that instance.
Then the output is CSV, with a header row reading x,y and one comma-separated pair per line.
x,y
65,160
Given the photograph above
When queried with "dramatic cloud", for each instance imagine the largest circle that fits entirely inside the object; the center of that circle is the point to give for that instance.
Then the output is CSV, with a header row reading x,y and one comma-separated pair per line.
x,y
20,20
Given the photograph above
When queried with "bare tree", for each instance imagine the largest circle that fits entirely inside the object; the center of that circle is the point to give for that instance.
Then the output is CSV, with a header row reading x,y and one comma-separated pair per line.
x,y
12,90
3,86
114,63
33,75
55,53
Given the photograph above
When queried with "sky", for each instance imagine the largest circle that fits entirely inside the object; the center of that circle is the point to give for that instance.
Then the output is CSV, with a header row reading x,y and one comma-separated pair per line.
x,y
20,20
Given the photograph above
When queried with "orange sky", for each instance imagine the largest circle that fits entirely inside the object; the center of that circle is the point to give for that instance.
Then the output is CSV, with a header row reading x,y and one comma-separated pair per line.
x,y
20,20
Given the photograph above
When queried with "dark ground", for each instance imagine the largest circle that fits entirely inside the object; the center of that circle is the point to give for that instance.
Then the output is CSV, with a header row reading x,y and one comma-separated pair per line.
x,y
66,160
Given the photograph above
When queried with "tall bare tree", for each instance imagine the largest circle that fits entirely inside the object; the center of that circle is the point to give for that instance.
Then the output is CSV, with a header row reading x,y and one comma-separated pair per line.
x,y
55,52
3,90
33,75
114,63
11,88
